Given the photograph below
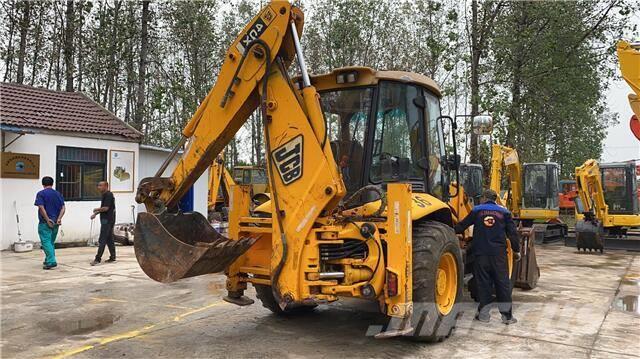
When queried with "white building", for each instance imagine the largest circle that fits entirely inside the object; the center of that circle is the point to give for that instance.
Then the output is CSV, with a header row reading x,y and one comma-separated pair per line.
x,y
73,139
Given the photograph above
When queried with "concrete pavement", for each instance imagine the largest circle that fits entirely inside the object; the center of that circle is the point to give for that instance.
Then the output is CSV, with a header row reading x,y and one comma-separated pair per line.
x,y
585,306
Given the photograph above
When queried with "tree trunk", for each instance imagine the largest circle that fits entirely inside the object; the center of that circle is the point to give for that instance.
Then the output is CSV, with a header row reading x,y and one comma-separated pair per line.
x,y
112,67
69,30
80,45
142,67
516,76
475,80
8,63
24,30
37,46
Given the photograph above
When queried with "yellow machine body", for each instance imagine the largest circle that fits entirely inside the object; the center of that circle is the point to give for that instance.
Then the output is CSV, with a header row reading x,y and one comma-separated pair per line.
x,y
593,201
506,160
629,57
289,251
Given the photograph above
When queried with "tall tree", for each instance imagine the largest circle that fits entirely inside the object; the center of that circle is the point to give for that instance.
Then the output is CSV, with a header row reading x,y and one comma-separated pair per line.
x,y
142,67
69,33
24,31
482,23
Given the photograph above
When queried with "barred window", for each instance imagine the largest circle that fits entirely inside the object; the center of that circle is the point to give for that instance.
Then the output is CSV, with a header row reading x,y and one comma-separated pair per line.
x,y
78,171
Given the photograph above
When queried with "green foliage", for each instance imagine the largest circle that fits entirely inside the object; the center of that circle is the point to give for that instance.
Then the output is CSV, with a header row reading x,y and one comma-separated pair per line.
x,y
549,68
543,73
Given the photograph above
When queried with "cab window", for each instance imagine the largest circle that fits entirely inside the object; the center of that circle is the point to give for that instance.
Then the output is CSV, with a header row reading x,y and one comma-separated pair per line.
x,y
398,143
435,145
347,115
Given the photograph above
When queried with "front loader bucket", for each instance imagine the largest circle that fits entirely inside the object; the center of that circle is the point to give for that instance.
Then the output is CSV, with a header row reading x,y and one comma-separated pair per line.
x,y
174,246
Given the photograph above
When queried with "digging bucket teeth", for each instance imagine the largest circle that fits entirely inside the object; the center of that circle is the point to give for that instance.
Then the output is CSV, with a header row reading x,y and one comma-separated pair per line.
x,y
589,236
169,247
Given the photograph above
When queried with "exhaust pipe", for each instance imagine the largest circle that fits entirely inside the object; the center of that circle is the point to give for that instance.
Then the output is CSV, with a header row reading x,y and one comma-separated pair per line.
x,y
170,247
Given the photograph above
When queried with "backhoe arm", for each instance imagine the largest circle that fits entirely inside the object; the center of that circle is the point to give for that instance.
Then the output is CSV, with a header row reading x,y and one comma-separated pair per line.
x,y
507,157
303,175
590,190
229,104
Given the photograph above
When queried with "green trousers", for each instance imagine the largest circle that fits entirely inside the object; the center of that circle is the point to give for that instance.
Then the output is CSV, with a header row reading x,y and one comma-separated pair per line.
x,y
47,239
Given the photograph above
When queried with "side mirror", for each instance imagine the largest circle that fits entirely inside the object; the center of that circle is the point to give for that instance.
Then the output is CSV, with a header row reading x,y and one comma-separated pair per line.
x,y
482,124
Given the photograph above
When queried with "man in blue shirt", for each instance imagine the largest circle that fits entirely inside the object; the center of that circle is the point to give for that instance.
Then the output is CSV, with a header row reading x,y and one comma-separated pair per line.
x,y
50,212
492,224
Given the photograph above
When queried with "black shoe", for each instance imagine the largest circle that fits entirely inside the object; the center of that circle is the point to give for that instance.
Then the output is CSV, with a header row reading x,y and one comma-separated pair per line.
x,y
110,260
94,262
508,321
46,267
482,318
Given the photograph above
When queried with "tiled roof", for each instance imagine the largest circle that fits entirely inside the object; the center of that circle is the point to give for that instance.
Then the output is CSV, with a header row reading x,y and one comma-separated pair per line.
x,y
31,107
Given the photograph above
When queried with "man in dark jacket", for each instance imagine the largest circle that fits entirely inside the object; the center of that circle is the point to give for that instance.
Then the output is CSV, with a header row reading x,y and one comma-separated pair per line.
x,y
492,224
107,211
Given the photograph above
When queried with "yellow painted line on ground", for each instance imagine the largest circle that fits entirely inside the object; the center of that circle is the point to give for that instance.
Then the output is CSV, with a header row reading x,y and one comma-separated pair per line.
x,y
176,306
132,333
183,315
74,352
99,300
127,335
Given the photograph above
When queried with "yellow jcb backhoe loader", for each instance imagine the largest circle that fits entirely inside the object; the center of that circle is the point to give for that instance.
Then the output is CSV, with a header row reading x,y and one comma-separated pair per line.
x,y
359,188
607,206
629,57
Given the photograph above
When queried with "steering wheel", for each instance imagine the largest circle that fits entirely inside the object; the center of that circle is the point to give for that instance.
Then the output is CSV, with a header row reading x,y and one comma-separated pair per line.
x,y
385,155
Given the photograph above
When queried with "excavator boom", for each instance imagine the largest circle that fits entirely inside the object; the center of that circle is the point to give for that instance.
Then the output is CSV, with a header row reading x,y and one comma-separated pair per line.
x,y
629,57
509,157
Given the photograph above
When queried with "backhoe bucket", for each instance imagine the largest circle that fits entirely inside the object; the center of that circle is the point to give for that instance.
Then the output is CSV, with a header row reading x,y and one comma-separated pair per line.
x,y
174,246
589,236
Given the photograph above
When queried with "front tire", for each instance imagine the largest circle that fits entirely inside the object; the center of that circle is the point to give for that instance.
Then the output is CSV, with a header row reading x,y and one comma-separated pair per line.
x,y
437,281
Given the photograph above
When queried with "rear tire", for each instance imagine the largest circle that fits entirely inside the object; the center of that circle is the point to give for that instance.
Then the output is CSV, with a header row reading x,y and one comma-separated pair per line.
x,y
265,294
432,243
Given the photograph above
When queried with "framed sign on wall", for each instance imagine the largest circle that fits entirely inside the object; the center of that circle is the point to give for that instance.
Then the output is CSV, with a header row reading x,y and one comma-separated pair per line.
x,y
121,170
20,165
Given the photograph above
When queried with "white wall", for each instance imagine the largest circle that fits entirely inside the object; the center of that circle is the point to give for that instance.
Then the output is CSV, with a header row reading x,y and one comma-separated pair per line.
x,y
76,223
151,161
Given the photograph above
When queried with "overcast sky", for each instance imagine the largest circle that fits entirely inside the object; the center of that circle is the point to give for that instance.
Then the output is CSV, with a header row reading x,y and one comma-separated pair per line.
x,y
621,144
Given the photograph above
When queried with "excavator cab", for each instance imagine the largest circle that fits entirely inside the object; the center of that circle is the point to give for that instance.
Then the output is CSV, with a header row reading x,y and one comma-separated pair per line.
x,y
619,185
541,188
471,178
607,205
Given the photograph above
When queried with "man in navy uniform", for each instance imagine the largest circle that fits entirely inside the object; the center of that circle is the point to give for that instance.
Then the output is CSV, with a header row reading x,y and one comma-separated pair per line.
x,y
492,224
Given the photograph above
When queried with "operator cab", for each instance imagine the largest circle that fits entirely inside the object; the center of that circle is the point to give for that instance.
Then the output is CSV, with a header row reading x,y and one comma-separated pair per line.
x,y
541,185
620,187
471,178
386,126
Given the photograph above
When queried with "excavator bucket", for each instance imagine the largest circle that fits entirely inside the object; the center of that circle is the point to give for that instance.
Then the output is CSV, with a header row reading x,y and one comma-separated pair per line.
x,y
169,247
589,236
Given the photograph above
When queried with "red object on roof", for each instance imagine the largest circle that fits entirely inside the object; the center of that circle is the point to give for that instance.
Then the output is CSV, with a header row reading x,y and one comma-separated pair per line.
x,y
634,123
37,108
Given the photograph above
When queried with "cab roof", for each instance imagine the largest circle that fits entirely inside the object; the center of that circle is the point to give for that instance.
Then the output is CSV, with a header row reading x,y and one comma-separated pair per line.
x,y
368,76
